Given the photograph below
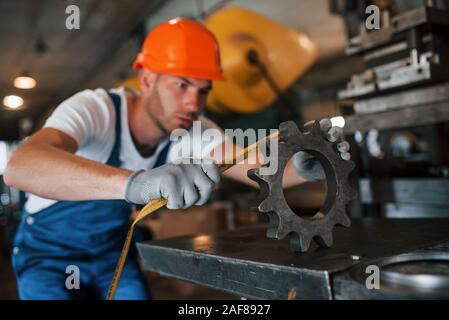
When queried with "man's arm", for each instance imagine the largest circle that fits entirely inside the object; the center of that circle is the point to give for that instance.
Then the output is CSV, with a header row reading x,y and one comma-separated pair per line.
x,y
239,171
46,165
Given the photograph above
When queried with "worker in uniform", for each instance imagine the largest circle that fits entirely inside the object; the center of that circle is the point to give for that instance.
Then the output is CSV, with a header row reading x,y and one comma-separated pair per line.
x,y
102,151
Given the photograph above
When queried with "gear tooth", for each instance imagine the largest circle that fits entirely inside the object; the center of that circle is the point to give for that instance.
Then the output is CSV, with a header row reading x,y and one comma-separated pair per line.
x,y
281,231
266,206
281,234
263,195
287,130
325,239
266,179
272,231
295,242
347,221
350,165
254,174
347,168
316,129
350,193
353,194
343,220
299,243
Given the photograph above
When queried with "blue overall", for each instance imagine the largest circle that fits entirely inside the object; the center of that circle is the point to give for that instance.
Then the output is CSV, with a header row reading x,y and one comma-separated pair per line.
x,y
85,234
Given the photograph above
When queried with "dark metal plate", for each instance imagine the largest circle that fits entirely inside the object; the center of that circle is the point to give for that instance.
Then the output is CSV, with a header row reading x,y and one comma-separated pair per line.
x,y
246,263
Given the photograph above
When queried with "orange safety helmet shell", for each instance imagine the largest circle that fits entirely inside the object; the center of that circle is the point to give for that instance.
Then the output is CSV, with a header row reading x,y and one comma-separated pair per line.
x,y
181,47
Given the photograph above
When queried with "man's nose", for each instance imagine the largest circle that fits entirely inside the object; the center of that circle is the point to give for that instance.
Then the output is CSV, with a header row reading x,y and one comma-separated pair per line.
x,y
192,102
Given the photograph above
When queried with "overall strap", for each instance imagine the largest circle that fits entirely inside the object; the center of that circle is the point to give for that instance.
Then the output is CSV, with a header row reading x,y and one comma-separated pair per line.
x,y
162,157
114,158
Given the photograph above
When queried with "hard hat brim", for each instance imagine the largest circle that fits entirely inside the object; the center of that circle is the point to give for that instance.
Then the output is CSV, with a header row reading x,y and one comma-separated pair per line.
x,y
185,72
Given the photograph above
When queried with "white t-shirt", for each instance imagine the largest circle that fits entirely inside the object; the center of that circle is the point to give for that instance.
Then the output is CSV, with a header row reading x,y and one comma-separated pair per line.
x,y
89,118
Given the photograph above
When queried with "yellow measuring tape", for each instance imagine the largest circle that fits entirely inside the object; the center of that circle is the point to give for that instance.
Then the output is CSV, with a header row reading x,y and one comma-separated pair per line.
x,y
154,205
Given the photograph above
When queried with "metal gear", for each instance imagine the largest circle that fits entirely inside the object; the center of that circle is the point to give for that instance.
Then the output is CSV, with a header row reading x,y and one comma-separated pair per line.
x,y
283,220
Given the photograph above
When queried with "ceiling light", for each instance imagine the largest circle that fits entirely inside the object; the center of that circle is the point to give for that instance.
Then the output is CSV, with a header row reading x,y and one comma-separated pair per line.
x,y
12,102
24,82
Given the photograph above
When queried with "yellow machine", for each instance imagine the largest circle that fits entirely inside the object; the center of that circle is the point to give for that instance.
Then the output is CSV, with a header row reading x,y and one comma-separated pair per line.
x,y
285,53
131,82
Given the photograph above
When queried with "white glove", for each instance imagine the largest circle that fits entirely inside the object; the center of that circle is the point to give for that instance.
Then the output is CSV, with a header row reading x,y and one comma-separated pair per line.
x,y
183,185
307,166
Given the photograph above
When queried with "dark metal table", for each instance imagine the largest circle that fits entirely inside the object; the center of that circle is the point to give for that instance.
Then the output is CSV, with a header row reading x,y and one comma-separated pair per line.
x,y
245,263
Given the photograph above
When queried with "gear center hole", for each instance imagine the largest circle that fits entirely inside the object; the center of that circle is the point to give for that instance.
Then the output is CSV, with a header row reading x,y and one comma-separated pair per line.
x,y
310,200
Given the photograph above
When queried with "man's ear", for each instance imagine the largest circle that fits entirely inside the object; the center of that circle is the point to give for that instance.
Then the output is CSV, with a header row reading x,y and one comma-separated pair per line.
x,y
147,79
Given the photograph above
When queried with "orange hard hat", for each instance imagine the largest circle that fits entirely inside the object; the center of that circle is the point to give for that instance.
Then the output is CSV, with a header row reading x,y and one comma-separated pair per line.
x,y
181,47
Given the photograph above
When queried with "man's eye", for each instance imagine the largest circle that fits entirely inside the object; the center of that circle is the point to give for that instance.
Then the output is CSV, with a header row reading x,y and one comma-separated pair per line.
x,y
182,85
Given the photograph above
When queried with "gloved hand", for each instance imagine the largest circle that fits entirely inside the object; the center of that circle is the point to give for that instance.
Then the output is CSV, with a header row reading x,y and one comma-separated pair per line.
x,y
307,166
183,185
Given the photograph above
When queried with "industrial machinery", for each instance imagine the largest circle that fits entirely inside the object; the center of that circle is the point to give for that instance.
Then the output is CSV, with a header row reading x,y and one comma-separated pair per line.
x,y
397,109
261,59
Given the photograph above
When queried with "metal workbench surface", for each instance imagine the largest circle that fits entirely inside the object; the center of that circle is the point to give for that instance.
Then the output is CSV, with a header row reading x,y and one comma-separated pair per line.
x,y
246,263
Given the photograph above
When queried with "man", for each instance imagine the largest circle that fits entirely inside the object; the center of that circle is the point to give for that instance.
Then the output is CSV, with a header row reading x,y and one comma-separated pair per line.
x,y
100,152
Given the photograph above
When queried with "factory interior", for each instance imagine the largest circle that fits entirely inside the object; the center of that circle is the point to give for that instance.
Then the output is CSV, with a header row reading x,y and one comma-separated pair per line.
x,y
369,219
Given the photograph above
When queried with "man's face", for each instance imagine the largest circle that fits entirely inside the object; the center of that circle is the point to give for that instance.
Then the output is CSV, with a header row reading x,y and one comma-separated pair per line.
x,y
175,102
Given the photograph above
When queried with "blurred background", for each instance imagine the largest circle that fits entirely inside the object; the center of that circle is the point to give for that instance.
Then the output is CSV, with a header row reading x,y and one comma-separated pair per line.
x,y
284,60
